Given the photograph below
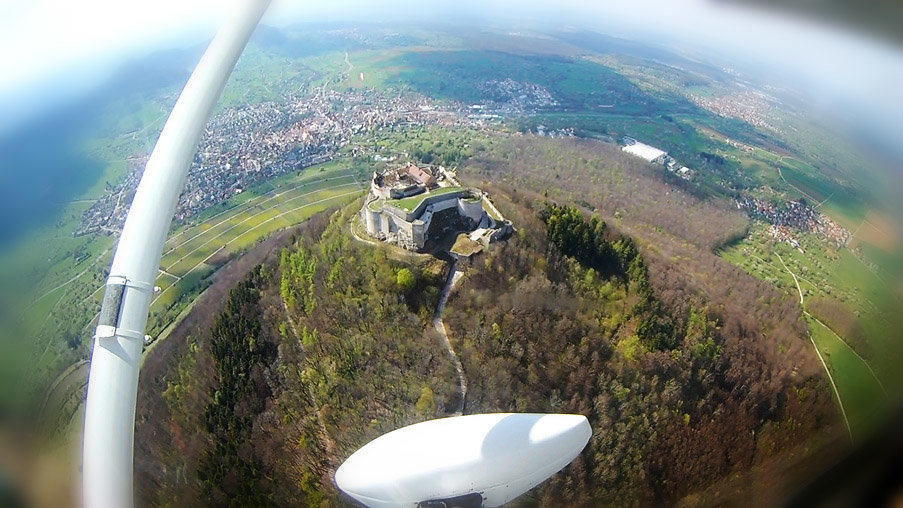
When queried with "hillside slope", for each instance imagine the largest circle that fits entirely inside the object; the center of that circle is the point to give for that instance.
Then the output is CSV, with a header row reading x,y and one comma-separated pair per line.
x,y
314,356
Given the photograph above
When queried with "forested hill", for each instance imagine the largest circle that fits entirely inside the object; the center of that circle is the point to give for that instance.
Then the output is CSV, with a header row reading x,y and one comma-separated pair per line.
x,y
315,355
680,393
308,359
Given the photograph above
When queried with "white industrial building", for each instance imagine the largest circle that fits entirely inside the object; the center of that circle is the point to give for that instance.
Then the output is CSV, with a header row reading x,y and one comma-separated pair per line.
x,y
649,153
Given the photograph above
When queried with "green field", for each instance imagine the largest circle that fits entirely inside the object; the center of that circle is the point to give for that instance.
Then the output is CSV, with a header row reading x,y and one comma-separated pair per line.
x,y
262,75
840,203
861,367
52,280
860,391
608,97
60,317
806,180
603,97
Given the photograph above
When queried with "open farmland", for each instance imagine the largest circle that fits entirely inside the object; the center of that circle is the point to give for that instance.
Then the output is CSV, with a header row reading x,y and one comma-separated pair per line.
x,y
859,391
877,231
191,255
196,250
840,203
855,335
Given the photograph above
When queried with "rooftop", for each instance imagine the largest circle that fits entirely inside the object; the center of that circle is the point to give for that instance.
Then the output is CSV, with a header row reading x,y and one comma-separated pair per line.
x,y
465,247
650,153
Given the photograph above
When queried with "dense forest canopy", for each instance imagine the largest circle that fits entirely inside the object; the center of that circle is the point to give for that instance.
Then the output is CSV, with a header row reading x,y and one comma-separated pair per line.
x,y
668,388
310,357
330,346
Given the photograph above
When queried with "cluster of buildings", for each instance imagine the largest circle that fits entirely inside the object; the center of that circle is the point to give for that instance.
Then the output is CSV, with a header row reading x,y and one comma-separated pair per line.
x,y
107,214
751,106
795,215
413,207
242,147
508,97
567,132
513,97
785,234
654,155
245,146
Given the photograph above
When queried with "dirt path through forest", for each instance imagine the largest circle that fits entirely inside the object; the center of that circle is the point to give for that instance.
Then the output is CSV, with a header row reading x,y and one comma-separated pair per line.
x,y
454,275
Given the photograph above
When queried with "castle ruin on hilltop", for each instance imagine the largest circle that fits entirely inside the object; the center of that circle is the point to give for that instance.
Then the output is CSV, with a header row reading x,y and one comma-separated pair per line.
x,y
418,208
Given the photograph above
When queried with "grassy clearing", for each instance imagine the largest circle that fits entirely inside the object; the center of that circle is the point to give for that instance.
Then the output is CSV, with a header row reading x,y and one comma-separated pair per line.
x,y
411,203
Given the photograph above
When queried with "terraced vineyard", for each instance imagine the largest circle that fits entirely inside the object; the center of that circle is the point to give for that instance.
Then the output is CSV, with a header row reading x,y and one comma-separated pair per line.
x,y
196,250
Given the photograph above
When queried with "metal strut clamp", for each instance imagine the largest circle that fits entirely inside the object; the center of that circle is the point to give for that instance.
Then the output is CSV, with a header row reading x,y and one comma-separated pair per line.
x,y
111,308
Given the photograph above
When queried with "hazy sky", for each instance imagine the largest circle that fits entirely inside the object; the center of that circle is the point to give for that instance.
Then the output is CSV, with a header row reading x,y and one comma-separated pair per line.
x,y
41,38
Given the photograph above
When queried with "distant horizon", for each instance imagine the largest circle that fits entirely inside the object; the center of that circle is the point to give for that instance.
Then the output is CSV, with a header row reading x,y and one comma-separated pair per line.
x,y
733,275
851,106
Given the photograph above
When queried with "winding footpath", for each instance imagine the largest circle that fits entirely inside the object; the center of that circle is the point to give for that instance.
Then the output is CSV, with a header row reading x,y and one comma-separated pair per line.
x,y
818,352
454,275
868,366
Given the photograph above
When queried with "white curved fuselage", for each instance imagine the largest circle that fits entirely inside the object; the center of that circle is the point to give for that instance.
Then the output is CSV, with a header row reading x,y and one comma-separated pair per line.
x,y
499,456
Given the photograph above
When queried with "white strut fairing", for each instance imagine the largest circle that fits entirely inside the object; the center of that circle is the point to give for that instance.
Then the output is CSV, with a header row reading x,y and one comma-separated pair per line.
x,y
119,338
